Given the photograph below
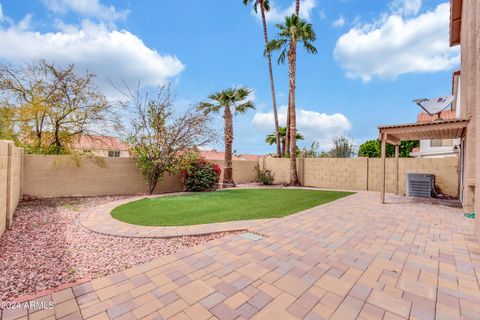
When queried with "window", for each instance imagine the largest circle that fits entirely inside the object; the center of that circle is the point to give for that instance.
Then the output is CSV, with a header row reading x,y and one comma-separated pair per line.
x,y
113,154
441,143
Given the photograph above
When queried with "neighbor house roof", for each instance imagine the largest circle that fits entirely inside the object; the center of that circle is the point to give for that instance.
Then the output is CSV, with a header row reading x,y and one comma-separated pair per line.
x,y
250,157
455,21
93,142
220,155
216,155
424,117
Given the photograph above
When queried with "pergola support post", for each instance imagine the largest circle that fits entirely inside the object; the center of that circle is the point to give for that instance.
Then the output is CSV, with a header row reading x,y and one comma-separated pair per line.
x,y
397,152
383,167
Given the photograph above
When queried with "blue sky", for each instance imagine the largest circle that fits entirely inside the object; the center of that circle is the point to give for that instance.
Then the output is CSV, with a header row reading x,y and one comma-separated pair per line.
x,y
373,57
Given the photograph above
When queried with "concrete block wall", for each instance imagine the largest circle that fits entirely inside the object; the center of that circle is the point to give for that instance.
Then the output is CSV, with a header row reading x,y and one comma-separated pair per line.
x,y
347,174
11,176
445,171
364,173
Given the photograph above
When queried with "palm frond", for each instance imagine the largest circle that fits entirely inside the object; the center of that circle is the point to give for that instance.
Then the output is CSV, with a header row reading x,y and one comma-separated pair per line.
x,y
282,56
309,47
244,107
207,107
266,5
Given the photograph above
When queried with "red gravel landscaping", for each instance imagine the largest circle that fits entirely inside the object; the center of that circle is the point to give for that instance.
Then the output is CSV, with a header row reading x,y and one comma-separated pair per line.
x,y
46,247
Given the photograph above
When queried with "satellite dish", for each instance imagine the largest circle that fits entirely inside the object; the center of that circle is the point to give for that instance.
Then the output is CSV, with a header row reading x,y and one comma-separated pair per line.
x,y
435,106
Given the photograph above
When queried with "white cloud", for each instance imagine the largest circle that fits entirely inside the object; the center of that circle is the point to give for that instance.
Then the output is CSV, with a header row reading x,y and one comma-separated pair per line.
x,y
1,13
87,8
315,126
322,15
396,45
112,54
406,7
339,23
277,15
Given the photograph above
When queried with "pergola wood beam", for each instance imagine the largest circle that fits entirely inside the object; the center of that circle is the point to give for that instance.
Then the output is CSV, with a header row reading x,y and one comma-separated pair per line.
x,y
383,166
443,129
393,140
397,154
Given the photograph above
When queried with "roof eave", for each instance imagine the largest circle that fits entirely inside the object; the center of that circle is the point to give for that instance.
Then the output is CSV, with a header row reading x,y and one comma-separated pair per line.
x,y
455,22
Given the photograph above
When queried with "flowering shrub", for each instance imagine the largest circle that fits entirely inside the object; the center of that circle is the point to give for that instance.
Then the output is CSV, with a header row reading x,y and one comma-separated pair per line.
x,y
198,174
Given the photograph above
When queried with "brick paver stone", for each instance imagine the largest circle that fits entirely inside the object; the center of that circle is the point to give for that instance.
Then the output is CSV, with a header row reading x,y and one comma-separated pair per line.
x,y
349,259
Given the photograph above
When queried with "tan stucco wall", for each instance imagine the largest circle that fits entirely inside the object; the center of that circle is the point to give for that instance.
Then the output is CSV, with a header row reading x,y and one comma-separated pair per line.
x,y
15,181
10,182
3,186
470,101
364,173
243,171
56,176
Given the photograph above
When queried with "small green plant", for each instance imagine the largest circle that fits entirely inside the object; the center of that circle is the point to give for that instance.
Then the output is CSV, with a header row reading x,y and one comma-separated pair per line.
x,y
265,176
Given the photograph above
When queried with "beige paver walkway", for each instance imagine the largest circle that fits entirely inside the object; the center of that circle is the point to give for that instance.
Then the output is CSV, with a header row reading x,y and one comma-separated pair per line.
x,y
100,220
349,259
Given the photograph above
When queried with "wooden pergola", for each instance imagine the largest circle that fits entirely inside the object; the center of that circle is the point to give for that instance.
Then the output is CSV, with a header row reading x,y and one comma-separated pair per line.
x,y
394,134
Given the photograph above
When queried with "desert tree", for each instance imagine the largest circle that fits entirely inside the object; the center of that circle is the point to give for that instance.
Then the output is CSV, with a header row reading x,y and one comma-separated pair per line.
x,y
53,104
343,147
232,99
161,137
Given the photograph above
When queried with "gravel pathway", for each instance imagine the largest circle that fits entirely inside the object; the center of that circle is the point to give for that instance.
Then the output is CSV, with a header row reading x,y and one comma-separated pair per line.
x,y
46,247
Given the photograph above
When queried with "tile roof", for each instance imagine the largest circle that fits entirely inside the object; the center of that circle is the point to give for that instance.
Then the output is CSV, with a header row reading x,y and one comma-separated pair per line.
x,y
220,155
93,142
424,117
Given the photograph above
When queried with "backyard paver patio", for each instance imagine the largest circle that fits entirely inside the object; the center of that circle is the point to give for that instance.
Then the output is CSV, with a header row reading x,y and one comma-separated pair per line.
x,y
349,259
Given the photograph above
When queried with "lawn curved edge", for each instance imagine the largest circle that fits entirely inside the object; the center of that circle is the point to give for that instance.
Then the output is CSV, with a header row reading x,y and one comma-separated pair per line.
x,y
100,220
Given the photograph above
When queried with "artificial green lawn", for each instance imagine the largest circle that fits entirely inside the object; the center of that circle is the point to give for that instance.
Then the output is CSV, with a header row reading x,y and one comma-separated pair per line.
x,y
221,206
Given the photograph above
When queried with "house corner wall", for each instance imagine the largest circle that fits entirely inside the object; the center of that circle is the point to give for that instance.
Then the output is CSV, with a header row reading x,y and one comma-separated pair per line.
x,y
10,182
472,70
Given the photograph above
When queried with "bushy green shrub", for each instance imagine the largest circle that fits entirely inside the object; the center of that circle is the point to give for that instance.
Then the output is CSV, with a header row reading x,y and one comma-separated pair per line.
x,y
198,174
265,176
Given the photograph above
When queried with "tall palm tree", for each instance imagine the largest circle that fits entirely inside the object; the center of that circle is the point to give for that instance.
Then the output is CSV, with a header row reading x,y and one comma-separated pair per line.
x,y
297,7
235,99
265,6
293,31
282,131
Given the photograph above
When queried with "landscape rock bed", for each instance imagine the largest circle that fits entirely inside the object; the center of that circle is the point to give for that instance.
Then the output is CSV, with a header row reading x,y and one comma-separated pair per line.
x,y
46,247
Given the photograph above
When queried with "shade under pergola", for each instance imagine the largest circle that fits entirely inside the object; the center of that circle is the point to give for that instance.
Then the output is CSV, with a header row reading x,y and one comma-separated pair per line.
x,y
394,134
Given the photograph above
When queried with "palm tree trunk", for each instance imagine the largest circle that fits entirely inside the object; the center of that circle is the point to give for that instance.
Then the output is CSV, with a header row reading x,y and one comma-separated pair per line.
x,y
287,133
297,7
272,83
292,57
228,171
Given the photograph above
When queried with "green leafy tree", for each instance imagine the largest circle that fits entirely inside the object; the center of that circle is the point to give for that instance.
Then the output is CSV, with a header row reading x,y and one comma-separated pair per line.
x,y
7,130
271,138
53,105
372,149
265,7
292,32
235,99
